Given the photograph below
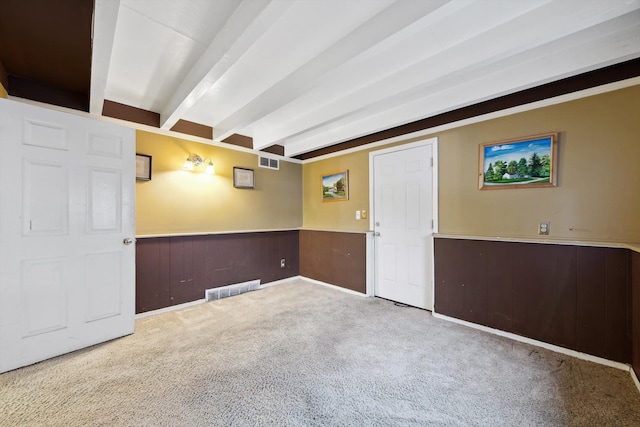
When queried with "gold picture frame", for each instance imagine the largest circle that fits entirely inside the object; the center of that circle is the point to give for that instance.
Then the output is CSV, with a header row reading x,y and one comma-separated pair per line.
x,y
528,162
335,186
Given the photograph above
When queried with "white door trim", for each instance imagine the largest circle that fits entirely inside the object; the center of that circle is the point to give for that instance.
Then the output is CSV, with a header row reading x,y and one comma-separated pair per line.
x,y
434,191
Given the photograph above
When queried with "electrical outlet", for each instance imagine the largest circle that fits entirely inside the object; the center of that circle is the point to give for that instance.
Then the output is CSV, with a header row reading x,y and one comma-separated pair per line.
x,y
543,229
282,263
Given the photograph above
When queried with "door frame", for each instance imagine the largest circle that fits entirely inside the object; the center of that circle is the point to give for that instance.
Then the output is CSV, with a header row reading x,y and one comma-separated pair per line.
x,y
433,141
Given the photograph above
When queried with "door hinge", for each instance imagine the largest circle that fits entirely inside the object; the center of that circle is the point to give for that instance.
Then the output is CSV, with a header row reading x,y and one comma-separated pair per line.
x,y
432,162
432,224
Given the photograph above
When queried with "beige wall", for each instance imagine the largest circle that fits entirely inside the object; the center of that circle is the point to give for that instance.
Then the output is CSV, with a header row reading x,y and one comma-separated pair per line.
x,y
598,192
177,201
3,92
337,215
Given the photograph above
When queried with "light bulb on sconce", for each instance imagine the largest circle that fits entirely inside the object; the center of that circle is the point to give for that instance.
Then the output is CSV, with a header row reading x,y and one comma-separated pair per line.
x,y
210,169
188,165
194,161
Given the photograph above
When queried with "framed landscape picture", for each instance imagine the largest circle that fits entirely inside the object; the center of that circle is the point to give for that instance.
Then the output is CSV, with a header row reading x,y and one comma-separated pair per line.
x,y
518,163
335,186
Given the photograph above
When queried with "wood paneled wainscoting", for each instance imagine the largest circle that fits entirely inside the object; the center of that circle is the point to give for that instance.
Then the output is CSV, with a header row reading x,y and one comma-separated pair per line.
x,y
337,258
577,297
635,311
177,269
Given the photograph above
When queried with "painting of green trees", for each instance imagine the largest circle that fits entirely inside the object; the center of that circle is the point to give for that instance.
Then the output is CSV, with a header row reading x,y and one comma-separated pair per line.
x,y
527,162
335,186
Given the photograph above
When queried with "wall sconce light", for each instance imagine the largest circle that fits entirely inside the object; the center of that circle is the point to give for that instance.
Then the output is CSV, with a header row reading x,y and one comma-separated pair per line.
x,y
194,161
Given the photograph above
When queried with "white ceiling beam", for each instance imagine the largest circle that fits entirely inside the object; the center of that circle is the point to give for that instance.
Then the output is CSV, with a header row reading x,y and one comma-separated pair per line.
x,y
105,19
422,70
428,75
382,26
592,48
250,20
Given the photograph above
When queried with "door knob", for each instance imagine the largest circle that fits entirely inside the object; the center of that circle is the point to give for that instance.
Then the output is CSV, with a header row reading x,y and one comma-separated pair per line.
x,y
128,241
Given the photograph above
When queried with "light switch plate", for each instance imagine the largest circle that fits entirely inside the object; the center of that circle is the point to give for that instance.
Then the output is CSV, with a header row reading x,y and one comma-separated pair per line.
x,y
357,214
364,215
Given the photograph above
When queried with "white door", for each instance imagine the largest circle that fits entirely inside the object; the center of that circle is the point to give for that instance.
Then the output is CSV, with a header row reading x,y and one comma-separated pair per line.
x,y
402,218
67,279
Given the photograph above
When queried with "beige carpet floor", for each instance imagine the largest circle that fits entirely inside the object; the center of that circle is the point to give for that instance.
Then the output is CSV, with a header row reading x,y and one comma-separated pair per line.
x,y
300,354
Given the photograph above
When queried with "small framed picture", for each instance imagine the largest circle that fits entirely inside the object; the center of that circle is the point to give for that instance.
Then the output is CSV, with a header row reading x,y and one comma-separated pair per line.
x,y
335,186
243,178
143,167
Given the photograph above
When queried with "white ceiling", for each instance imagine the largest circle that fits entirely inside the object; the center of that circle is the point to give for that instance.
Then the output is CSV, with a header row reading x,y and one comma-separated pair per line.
x,y
307,74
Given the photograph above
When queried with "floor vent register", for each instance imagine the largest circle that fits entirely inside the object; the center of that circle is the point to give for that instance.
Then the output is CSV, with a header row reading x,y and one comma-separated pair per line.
x,y
231,290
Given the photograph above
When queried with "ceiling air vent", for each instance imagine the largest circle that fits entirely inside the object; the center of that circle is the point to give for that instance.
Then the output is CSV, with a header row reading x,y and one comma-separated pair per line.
x,y
269,163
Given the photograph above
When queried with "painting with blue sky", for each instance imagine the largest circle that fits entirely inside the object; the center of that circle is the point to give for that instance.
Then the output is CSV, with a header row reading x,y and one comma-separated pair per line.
x,y
335,186
525,162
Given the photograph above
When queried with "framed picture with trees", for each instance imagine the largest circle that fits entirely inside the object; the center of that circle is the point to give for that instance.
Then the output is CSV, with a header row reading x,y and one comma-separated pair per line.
x,y
518,163
335,186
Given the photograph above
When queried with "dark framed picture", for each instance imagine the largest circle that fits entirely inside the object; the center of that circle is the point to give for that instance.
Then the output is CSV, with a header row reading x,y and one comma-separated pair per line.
x,y
143,167
243,178
518,163
335,186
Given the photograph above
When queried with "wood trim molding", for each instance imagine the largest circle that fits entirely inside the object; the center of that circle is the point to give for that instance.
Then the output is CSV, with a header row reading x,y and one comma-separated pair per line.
x,y
598,244
334,231
214,233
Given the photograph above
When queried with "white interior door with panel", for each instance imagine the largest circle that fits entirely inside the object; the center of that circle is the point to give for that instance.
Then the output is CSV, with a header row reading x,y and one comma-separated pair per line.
x,y
67,221
403,215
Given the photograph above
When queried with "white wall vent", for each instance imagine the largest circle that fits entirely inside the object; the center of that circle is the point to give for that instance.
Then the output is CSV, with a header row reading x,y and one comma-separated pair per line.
x,y
231,290
269,163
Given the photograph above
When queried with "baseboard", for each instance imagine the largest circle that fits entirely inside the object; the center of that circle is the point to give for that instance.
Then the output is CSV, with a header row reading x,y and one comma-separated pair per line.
x,y
201,301
339,288
634,377
557,349
170,308
279,282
